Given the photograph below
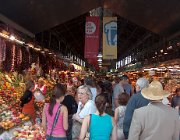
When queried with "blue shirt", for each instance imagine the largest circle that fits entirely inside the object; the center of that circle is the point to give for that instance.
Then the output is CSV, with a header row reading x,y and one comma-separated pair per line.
x,y
100,127
135,102
175,101
127,88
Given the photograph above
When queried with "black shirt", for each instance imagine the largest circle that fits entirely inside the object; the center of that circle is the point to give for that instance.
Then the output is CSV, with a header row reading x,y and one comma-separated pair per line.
x,y
26,98
71,104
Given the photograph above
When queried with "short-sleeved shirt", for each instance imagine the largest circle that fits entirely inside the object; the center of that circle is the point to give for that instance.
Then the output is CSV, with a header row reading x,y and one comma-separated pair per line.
x,y
89,108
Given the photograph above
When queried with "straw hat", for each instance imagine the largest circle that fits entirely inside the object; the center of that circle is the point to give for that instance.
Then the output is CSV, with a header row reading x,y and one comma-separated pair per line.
x,y
154,91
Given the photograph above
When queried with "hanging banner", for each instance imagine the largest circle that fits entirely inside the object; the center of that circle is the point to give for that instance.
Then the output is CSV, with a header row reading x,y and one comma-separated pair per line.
x,y
92,37
110,38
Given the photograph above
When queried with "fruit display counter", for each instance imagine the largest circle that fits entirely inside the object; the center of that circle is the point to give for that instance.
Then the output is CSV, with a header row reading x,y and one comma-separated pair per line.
x,y
25,131
29,132
15,125
12,84
10,112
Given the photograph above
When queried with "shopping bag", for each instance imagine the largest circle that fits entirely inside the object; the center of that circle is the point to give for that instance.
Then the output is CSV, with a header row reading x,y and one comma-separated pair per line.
x,y
76,129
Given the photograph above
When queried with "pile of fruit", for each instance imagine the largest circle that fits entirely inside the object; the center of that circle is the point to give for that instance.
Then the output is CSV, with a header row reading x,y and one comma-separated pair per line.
x,y
10,115
34,132
12,83
11,89
8,102
11,119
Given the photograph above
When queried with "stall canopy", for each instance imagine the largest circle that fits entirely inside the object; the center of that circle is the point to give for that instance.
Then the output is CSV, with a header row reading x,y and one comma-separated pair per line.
x,y
139,21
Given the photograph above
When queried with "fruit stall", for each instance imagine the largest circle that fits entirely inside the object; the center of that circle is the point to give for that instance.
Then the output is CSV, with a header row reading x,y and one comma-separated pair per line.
x,y
15,125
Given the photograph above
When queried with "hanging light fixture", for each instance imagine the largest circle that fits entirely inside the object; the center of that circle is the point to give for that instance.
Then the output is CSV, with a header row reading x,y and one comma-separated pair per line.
x,y
30,45
43,51
99,55
99,60
4,35
12,37
37,49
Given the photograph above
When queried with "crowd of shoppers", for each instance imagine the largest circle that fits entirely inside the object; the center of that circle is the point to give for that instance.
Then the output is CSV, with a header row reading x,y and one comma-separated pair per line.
x,y
100,109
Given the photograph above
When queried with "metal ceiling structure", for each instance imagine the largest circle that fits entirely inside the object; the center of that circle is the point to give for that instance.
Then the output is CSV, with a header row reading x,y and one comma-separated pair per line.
x,y
162,16
60,25
39,15
72,33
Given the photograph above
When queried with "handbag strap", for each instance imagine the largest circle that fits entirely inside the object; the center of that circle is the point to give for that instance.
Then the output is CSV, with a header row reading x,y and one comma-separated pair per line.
x,y
56,119
90,115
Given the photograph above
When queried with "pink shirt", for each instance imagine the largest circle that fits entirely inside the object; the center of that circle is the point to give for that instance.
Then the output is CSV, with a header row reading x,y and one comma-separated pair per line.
x,y
58,129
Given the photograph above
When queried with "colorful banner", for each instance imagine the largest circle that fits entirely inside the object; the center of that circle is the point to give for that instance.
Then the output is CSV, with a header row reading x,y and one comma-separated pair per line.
x,y
92,37
110,38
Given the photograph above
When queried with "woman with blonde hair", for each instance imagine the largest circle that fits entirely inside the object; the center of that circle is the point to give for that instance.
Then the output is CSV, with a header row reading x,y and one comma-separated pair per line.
x,y
85,107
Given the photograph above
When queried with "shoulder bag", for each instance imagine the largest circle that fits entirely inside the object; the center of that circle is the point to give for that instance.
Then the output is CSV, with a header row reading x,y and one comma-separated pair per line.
x,y
55,121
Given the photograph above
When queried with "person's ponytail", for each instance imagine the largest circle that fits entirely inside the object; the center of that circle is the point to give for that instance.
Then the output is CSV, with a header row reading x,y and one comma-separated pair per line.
x,y
100,102
51,105
101,109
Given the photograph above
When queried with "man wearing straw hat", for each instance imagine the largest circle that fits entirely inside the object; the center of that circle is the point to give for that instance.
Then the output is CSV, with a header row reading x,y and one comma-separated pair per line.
x,y
155,121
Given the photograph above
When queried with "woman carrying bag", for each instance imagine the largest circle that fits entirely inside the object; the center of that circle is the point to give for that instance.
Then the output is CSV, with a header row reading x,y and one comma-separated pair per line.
x,y
55,116
100,125
85,107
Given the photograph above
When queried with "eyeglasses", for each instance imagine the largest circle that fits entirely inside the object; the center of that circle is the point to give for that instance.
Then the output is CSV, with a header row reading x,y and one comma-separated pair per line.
x,y
81,93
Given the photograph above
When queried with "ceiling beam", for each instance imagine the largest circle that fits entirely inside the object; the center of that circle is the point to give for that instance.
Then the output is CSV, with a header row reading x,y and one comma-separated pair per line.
x,y
15,26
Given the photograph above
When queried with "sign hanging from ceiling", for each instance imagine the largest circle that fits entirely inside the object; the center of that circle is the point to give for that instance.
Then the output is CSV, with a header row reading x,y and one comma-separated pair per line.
x,y
110,38
92,37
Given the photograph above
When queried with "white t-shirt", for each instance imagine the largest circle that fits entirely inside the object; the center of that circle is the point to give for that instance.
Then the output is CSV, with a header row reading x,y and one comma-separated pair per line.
x,y
89,108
